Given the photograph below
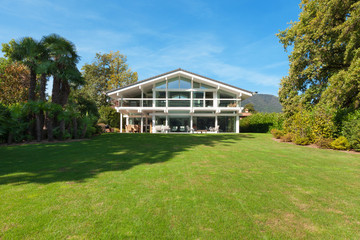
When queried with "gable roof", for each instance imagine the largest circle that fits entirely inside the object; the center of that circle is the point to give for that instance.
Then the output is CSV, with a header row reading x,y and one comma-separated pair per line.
x,y
174,71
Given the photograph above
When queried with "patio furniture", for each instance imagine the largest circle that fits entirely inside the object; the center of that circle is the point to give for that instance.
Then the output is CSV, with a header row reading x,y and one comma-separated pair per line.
x,y
214,129
165,129
158,128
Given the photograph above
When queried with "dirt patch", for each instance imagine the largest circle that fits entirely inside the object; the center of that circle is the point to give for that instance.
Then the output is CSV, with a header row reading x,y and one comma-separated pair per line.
x,y
315,146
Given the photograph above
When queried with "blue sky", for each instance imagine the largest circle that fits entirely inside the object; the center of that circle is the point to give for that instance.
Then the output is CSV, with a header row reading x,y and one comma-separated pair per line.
x,y
230,41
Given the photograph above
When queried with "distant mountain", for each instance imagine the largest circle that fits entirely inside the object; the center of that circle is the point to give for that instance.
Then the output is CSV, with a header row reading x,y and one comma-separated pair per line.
x,y
264,103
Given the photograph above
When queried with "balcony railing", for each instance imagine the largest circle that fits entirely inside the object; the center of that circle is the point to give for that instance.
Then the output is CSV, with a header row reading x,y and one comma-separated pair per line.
x,y
195,103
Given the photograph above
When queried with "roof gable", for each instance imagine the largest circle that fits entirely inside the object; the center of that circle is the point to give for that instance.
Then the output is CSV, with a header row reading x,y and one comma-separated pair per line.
x,y
184,73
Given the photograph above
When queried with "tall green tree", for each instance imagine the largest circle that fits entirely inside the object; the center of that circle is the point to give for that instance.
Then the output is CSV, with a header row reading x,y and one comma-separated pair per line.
x,y
107,72
63,57
31,53
325,57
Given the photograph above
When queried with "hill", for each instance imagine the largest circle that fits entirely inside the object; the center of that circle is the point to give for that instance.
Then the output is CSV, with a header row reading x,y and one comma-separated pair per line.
x,y
264,103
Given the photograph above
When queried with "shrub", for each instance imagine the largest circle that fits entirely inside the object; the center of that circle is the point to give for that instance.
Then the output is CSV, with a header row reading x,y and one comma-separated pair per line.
x,y
322,124
299,125
288,137
324,142
262,122
351,130
109,116
341,143
277,133
301,140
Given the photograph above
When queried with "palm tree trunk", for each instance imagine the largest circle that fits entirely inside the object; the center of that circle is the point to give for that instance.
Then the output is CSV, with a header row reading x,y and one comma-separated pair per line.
x,y
38,127
64,93
43,81
32,86
56,91
62,129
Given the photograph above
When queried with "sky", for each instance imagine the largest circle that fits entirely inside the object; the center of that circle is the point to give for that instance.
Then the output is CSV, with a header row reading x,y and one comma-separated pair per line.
x,y
231,41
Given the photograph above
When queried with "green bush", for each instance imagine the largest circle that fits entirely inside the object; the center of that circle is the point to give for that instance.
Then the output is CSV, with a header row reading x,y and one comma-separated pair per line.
x,y
301,140
288,137
262,122
341,143
351,130
109,116
277,133
324,142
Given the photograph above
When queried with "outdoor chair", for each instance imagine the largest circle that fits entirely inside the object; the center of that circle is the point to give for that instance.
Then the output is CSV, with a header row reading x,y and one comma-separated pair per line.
x,y
214,129
165,129
158,129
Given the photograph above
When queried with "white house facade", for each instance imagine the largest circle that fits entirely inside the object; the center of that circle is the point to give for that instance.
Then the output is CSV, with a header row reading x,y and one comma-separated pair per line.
x,y
179,101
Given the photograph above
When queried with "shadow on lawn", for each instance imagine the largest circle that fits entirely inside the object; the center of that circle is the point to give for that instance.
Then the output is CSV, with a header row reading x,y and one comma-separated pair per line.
x,y
77,161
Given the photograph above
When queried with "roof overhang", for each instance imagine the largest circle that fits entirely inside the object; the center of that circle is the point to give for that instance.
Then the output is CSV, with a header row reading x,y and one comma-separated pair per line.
x,y
149,83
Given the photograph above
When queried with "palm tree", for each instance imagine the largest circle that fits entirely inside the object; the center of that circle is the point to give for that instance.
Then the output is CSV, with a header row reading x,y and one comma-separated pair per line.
x,y
32,54
63,56
29,52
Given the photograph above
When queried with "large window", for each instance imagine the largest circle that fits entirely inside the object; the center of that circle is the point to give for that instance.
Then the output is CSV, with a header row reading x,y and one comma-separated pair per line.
x,y
160,120
160,94
179,83
160,103
185,83
160,85
203,123
198,95
201,85
179,95
179,123
226,123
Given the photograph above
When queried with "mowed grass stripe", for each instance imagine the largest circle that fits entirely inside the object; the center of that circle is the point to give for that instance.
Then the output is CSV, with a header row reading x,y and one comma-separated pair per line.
x,y
209,186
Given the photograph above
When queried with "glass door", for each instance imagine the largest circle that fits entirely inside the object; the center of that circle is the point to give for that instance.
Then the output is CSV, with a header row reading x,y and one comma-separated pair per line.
x,y
179,123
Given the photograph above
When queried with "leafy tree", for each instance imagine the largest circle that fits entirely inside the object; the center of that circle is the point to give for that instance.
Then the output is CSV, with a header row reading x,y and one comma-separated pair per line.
x,y
250,108
109,116
31,53
325,59
14,82
107,72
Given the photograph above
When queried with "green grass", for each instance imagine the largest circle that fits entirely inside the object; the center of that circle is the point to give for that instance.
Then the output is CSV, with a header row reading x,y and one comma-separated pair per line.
x,y
146,186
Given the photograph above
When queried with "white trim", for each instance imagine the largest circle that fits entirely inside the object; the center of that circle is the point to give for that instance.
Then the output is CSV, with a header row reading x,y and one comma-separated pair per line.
x,y
178,73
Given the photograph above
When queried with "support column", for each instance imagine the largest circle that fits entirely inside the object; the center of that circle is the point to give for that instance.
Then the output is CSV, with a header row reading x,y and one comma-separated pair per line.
x,y
146,123
216,121
191,124
121,122
127,122
142,124
167,120
153,124
237,124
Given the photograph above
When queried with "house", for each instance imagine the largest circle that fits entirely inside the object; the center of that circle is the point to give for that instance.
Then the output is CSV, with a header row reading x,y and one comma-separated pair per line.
x,y
179,101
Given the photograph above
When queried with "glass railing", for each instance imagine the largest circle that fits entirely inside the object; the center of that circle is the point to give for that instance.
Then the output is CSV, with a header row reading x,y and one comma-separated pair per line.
x,y
179,103
228,103
196,103
160,103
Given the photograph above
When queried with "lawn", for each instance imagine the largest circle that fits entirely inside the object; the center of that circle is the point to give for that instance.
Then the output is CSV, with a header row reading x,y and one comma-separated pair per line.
x,y
224,186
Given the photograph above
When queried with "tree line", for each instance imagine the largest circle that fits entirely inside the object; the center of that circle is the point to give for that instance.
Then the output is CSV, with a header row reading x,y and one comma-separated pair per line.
x,y
321,94
72,110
